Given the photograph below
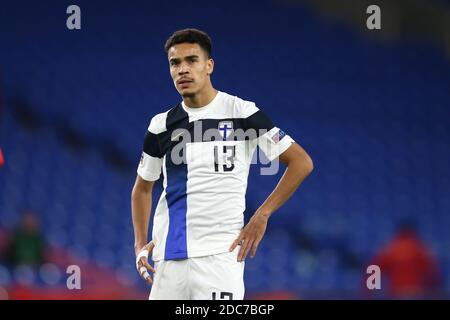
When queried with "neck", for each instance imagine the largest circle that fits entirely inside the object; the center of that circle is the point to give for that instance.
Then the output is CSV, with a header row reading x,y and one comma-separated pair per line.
x,y
200,99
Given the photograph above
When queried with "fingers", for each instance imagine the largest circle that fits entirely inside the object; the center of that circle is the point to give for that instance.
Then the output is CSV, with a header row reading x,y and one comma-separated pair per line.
x,y
143,268
244,249
147,265
251,242
147,278
145,275
250,237
143,272
245,240
254,248
237,241
142,264
241,251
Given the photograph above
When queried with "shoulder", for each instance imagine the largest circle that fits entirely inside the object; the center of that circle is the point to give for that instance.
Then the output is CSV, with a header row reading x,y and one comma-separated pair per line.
x,y
241,108
158,123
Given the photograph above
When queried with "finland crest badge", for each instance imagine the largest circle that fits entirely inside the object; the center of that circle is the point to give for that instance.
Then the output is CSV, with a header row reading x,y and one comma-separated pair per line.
x,y
225,128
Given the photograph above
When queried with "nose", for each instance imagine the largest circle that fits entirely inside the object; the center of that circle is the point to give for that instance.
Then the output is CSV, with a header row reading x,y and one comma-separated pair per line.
x,y
184,69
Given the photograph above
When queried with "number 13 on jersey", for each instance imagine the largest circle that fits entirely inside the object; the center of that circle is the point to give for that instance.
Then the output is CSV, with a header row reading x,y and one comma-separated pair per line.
x,y
224,158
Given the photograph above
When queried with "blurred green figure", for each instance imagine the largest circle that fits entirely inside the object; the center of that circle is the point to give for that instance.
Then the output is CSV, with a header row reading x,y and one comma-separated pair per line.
x,y
27,244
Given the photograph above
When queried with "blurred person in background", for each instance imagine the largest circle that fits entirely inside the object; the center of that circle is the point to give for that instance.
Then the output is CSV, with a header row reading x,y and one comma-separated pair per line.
x,y
407,263
4,244
27,243
2,160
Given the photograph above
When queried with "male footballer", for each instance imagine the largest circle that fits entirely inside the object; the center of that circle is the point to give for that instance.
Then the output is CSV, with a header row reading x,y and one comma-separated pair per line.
x,y
204,147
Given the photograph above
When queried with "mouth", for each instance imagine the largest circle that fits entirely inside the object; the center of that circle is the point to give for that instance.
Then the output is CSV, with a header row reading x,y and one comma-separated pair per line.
x,y
184,83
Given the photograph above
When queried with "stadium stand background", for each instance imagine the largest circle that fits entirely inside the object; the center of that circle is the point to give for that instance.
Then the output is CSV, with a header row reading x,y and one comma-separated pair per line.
x,y
373,111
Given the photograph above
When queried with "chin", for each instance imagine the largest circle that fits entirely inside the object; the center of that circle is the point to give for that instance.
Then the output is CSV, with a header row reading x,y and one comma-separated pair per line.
x,y
187,93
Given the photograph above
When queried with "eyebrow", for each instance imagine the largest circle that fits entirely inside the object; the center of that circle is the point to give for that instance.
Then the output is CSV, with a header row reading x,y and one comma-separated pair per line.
x,y
185,58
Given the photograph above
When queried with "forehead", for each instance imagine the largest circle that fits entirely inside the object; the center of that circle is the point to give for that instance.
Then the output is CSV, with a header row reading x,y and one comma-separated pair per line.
x,y
185,49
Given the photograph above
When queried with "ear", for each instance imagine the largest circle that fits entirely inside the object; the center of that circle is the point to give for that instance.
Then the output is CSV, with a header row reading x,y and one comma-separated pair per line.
x,y
209,67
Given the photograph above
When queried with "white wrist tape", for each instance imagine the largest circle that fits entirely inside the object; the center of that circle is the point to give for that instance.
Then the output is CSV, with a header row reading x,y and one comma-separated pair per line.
x,y
143,253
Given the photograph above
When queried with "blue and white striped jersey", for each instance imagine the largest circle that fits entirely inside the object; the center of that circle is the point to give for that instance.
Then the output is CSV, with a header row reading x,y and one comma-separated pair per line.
x,y
205,155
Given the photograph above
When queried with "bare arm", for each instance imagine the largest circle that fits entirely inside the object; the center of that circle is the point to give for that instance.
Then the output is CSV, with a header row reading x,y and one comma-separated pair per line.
x,y
141,204
299,166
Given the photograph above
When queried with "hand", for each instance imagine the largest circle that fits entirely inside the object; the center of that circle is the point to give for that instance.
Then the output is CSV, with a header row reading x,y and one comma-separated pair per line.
x,y
142,264
251,236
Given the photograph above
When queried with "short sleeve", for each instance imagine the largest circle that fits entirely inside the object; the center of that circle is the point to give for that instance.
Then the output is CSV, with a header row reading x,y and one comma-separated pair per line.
x,y
151,159
274,143
271,139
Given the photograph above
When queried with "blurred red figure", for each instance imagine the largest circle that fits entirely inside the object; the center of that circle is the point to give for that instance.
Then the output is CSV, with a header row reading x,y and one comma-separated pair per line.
x,y
2,160
411,270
